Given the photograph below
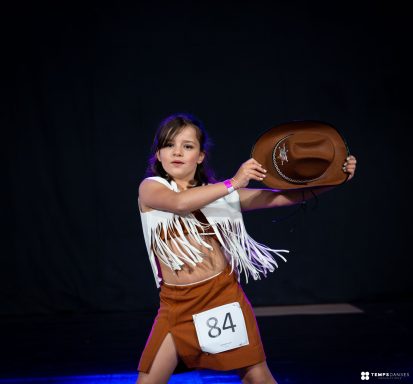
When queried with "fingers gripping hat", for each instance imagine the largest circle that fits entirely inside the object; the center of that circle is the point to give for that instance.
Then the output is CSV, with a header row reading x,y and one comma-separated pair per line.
x,y
302,154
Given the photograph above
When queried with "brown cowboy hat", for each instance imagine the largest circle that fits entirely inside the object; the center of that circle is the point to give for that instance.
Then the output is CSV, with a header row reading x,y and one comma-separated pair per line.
x,y
302,154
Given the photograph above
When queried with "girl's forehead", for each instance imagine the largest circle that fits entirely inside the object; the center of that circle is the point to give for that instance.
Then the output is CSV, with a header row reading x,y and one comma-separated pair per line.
x,y
186,133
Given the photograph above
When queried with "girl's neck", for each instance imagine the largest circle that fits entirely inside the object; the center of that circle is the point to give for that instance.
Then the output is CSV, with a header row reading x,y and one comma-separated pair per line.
x,y
183,185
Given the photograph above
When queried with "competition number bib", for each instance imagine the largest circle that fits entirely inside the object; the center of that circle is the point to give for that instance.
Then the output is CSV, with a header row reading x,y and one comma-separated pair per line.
x,y
221,328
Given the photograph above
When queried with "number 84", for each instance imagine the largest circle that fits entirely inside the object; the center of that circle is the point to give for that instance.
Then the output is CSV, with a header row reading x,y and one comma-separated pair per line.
x,y
216,331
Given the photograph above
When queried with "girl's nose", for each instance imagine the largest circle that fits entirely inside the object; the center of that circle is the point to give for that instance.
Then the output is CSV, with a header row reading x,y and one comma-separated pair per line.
x,y
177,151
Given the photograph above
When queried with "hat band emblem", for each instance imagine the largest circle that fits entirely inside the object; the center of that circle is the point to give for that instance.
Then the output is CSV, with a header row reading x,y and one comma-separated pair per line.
x,y
283,154
283,157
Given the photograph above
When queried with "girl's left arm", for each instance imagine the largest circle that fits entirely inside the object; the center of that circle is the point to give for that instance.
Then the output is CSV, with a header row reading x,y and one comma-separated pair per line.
x,y
251,199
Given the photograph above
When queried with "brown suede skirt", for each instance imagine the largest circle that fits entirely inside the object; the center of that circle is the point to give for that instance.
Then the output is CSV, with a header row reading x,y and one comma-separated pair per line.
x,y
179,303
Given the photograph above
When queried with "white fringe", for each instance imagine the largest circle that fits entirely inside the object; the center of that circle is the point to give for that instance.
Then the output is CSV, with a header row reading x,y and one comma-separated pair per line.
x,y
242,251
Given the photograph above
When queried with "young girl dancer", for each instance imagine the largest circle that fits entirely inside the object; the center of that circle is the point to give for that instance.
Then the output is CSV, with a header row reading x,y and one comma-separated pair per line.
x,y
198,249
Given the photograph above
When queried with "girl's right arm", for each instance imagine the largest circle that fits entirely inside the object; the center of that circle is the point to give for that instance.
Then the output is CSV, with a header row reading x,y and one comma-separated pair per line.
x,y
157,196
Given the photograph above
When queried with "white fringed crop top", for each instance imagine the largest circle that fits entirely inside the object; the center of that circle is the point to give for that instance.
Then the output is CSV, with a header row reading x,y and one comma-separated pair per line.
x,y
224,219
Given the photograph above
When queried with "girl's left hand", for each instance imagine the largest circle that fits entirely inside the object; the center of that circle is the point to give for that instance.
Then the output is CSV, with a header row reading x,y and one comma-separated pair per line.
x,y
350,166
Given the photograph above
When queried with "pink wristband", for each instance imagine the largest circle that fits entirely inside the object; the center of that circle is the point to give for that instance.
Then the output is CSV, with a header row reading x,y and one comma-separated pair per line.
x,y
229,186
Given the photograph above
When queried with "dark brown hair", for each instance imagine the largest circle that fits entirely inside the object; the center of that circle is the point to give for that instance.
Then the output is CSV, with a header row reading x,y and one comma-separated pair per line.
x,y
167,130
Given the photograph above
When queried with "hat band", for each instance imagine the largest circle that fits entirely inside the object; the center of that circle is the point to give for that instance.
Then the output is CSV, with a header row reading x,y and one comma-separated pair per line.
x,y
283,156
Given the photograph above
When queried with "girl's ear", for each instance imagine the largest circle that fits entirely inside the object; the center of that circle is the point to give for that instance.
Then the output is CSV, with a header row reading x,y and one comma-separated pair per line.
x,y
201,157
157,155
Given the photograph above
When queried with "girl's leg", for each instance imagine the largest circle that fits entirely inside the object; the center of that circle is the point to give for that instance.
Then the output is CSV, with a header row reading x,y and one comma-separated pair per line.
x,y
163,365
256,374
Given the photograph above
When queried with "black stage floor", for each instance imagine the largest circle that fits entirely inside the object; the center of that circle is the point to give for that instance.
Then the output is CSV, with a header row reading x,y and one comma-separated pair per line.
x,y
313,348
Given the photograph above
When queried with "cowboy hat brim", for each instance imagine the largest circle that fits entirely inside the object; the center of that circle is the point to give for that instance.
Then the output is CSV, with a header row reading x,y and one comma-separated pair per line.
x,y
264,149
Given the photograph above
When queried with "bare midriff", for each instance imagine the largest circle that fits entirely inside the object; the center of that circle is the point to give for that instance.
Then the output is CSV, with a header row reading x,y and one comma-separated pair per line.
x,y
213,262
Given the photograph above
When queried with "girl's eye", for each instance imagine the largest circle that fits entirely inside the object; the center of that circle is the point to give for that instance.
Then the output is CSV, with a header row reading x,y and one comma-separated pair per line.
x,y
169,145
188,146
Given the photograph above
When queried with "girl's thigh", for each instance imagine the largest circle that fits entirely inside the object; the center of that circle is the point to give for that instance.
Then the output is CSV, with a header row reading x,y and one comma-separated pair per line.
x,y
256,374
163,365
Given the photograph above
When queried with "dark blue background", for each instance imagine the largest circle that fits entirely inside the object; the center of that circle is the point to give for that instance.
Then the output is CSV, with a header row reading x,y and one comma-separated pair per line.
x,y
84,88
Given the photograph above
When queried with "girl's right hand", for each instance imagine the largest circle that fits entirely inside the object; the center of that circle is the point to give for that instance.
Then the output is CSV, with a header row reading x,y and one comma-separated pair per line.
x,y
250,170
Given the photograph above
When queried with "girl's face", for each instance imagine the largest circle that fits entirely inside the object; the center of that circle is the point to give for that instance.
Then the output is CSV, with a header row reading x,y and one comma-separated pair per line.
x,y
181,155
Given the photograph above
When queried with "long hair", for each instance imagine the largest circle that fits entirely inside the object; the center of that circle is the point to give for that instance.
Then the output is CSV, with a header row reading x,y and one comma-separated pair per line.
x,y
168,129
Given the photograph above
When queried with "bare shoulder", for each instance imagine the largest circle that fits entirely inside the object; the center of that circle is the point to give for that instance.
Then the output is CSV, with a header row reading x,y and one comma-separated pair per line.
x,y
143,187
154,195
149,187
